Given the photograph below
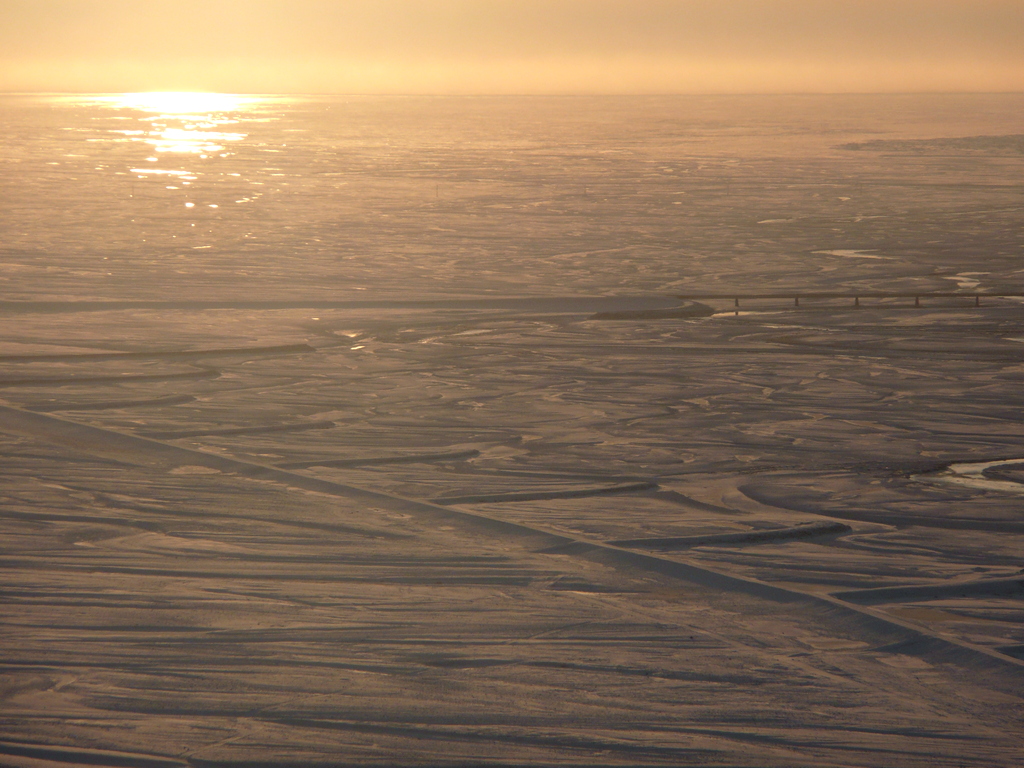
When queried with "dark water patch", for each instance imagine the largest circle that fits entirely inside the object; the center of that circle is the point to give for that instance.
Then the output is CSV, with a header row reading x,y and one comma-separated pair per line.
x,y
437,580
1012,473
689,310
159,665
803,531
459,662
555,475
414,458
891,569
57,517
564,741
84,460
787,498
77,756
109,404
1011,587
113,628
258,430
382,561
665,674
155,354
933,648
374,533
63,381
683,500
576,584
1012,144
1016,651
576,493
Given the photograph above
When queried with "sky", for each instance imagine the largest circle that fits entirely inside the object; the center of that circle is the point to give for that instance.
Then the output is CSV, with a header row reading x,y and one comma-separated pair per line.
x,y
512,46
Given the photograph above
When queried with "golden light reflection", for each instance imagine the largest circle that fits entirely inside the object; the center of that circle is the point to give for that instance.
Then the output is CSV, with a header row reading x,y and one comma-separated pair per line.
x,y
183,102
184,122
191,140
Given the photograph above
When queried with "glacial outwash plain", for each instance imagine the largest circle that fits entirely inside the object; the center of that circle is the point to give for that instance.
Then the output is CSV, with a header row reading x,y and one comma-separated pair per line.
x,y
512,432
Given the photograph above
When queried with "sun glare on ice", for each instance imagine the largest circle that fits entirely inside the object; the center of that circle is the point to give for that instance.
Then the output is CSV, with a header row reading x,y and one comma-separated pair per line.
x,y
183,102
184,122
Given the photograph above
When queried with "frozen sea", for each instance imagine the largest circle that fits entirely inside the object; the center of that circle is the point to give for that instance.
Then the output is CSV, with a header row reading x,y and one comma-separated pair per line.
x,y
375,431
152,197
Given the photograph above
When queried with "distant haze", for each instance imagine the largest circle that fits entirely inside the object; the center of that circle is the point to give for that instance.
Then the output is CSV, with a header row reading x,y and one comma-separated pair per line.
x,y
512,46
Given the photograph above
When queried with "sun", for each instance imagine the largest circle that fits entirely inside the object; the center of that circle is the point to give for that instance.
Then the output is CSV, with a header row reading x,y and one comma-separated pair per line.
x,y
183,102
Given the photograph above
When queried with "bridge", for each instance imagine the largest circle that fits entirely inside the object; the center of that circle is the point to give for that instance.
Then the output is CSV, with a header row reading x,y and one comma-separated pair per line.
x,y
856,296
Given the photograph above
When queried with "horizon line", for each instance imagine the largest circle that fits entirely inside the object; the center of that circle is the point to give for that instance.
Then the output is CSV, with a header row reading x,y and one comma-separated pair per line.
x,y
567,94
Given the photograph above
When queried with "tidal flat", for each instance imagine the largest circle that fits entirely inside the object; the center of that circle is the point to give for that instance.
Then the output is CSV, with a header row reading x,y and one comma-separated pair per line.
x,y
401,434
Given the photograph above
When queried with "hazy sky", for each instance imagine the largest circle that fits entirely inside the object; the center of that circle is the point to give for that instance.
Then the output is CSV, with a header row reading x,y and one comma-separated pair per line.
x,y
512,46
